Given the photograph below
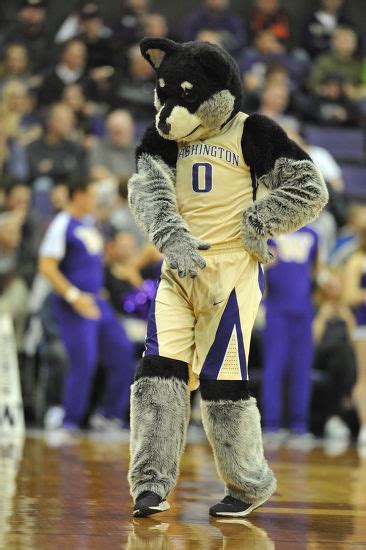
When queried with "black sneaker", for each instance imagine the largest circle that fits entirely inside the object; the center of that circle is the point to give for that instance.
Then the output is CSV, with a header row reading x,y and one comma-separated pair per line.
x,y
230,506
149,503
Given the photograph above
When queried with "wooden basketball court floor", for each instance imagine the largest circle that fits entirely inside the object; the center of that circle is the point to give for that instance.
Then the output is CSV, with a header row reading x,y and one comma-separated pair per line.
x,y
76,497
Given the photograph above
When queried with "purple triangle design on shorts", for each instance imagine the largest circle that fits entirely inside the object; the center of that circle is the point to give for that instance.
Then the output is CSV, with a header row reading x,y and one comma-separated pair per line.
x,y
215,357
152,344
261,279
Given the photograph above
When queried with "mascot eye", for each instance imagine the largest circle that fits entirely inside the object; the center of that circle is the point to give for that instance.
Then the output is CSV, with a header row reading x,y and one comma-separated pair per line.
x,y
189,96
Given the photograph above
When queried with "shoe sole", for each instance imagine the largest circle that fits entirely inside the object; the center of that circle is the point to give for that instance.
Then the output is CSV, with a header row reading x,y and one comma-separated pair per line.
x,y
241,514
146,511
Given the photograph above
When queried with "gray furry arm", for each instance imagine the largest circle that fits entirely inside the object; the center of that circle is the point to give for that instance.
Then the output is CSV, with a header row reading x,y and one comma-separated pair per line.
x,y
297,191
152,200
297,195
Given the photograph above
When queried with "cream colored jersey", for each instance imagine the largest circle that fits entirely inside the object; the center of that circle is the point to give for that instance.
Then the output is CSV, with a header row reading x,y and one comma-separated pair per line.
x,y
213,184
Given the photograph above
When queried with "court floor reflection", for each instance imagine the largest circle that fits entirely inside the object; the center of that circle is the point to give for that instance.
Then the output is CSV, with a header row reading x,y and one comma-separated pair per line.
x,y
77,497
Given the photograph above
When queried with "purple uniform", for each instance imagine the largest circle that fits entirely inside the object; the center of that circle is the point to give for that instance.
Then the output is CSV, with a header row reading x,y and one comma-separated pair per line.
x,y
78,246
288,345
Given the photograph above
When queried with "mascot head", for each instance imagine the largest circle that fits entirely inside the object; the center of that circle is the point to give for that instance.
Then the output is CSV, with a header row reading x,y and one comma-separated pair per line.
x,y
198,87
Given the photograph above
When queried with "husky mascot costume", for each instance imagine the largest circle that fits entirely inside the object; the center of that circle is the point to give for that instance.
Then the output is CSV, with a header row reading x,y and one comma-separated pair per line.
x,y
197,195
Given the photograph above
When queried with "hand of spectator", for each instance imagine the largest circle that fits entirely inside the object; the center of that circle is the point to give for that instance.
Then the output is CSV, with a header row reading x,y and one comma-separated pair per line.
x,y
86,306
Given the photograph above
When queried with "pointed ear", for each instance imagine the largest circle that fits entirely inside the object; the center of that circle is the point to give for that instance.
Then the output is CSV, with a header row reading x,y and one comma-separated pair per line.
x,y
216,63
155,49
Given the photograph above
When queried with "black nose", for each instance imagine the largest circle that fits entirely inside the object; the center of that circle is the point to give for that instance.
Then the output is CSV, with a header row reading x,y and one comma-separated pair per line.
x,y
165,127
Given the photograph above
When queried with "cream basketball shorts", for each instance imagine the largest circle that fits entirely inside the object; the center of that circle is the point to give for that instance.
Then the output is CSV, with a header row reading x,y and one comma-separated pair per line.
x,y
207,321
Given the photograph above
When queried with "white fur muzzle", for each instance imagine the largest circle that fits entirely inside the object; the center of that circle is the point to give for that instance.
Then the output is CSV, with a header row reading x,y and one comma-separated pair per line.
x,y
205,122
182,124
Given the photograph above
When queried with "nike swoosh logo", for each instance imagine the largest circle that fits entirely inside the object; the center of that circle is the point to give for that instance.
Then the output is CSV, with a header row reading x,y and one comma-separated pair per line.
x,y
217,303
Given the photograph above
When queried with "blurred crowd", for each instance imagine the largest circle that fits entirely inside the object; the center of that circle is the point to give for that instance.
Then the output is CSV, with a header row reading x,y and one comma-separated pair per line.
x,y
72,108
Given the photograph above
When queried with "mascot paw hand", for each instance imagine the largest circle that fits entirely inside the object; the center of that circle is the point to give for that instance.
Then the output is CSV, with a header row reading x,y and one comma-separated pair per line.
x,y
253,225
181,253
258,248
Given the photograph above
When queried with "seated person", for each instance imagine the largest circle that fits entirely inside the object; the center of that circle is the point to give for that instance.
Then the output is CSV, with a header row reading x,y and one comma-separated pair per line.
x,y
54,155
71,69
216,15
131,274
320,28
341,60
332,105
334,354
269,15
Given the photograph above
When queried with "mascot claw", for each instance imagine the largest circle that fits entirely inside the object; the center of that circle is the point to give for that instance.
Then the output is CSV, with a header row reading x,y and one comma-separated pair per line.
x,y
259,249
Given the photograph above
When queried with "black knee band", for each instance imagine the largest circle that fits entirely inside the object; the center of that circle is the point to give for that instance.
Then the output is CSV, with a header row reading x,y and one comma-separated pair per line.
x,y
233,390
155,365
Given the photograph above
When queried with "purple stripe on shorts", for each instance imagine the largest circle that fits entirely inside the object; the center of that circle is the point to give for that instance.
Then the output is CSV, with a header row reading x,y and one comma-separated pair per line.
x,y
261,281
215,357
151,341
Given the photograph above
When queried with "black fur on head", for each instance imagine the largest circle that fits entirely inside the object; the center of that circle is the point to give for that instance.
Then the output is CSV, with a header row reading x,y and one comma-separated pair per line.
x,y
198,87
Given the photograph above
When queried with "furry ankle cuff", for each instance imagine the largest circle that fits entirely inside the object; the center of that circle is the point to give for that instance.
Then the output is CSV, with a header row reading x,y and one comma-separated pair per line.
x,y
233,390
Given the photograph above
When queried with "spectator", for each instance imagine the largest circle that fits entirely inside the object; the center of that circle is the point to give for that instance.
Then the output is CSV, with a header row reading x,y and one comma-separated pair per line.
x,y
155,25
355,297
341,61
121,218
134,90
332,105
30,29
59,196
115,155
268,15
71,260
214,37
121,276
14,256
348,240
13,160
54,155
320,28
15,65
88,121
18,203
333,326
266,56
288,343
255,61
96,36
129,29
216,15
274,102
71,69
20,122
69,27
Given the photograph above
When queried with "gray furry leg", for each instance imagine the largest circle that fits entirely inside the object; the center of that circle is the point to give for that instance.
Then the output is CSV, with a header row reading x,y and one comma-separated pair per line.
x,y
234,431
160,407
